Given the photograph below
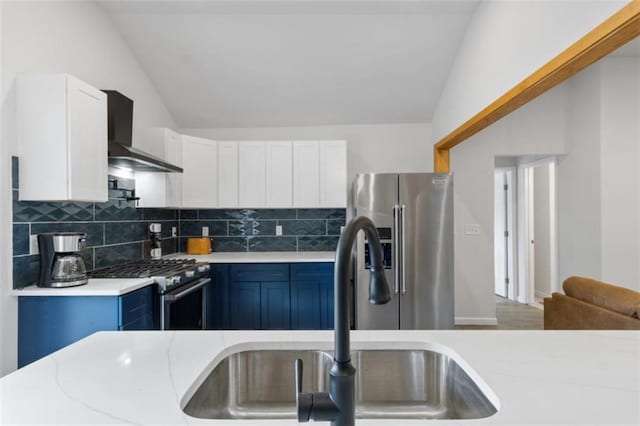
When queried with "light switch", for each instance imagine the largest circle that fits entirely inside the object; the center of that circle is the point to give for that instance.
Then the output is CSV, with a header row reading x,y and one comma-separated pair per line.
x,y
205,231
174,231
278,230
471,229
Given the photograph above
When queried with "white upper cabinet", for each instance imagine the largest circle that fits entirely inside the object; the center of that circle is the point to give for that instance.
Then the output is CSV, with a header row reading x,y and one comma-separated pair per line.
x,y
200,179
227,174
306,174
279,174
333,174
61,125
160,189
252,171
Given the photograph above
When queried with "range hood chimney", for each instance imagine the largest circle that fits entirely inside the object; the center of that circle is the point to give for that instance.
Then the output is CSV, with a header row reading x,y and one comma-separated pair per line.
x,y
121,152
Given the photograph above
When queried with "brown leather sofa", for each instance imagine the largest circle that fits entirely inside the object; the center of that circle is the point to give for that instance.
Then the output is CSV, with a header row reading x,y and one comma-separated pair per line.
x,y
592,305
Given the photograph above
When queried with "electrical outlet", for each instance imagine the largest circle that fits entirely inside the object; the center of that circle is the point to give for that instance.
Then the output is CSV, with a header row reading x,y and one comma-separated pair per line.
x,y
471,229
278,230
205,231
174,231
342,229
33,244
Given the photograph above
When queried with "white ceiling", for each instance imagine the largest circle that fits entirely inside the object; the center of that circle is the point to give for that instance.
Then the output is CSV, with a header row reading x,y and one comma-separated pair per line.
x,y
297,62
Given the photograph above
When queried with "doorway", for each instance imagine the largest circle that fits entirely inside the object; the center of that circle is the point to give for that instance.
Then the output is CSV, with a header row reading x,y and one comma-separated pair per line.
x,y
541,229
504,232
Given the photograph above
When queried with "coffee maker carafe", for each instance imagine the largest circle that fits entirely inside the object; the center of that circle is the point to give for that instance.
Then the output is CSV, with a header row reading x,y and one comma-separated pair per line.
x,y
60,263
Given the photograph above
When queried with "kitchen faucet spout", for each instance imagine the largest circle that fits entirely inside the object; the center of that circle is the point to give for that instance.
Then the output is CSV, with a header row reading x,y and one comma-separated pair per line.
x,y
338,406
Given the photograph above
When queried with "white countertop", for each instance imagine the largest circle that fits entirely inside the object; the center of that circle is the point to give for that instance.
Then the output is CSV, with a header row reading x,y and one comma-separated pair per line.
x,y
260,257
534,377
95,287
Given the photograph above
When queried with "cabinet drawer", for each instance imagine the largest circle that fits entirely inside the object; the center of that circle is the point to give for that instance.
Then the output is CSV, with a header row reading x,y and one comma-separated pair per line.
x,y
144,322
311,271
136,304
260,272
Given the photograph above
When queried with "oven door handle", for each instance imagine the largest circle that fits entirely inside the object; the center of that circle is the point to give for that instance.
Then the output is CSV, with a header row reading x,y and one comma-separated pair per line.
x,y
168,297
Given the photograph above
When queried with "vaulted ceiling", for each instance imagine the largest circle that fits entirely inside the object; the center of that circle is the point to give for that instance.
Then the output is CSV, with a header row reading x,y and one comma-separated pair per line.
x,y
295,62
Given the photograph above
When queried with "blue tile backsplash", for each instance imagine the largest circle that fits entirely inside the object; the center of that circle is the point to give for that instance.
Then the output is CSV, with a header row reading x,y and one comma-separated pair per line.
x,y
117,230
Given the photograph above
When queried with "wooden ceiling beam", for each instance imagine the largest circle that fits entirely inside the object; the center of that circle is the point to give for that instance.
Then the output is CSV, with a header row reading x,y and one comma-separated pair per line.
x,y
617,30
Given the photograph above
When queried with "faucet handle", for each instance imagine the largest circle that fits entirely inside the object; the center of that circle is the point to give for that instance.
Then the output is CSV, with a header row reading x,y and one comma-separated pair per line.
x,y
304,401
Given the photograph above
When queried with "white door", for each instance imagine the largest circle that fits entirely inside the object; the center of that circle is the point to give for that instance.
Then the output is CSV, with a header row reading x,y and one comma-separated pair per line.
x,y
279,174
200,179
306,174
227,174
505,232
252,171
499,229
333,174
87,121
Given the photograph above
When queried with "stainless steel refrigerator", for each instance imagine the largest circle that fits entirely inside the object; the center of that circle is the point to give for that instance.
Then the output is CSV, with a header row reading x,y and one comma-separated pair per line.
x,y
414,216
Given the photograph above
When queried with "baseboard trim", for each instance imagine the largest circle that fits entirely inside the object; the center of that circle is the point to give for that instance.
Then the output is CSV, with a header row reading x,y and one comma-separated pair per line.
x,y
476,321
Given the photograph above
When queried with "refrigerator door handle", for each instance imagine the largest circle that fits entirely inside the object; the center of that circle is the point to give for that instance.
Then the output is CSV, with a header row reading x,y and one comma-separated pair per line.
x,y
403,217
396,249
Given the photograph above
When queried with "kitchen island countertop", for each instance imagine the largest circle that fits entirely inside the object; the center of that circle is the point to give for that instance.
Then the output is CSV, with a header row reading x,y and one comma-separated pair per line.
x,y
534,377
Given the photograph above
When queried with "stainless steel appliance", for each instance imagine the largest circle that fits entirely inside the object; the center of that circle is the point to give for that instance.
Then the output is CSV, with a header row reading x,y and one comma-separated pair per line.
x,y
120,134
182,289
414,216
60,263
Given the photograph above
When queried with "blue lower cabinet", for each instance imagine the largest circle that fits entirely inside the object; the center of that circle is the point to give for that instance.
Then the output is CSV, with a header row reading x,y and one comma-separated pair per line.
x,y
244,305
46,324
326,305
305,306
312,296
274,306
218,298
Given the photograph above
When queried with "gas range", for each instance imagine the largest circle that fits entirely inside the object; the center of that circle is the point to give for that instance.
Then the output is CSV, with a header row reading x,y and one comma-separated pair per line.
x,y
167,273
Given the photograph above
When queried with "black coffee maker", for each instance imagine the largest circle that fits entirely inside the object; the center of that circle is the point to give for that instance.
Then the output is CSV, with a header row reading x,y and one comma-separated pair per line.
x,y
60,262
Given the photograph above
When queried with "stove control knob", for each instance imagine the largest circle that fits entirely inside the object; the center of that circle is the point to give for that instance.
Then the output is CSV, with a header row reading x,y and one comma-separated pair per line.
x,y
190,274
173,281
203,268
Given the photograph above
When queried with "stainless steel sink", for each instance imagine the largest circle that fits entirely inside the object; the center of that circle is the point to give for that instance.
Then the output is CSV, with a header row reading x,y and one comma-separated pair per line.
x,y
391,384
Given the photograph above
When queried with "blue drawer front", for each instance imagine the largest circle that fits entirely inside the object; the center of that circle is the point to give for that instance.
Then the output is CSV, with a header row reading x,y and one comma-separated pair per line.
x,y
260,272
311,271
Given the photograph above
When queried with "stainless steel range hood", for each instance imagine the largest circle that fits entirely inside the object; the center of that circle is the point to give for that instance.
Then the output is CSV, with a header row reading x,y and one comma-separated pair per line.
x,y
122,154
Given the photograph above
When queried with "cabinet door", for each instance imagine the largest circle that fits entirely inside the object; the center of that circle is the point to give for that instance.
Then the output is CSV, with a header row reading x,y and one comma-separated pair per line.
x,y
326,304
173,155
279,174
218,298
305,305
252,174
274,305
306,174
333,174
227,174
200,177
152,189
244,305
87,121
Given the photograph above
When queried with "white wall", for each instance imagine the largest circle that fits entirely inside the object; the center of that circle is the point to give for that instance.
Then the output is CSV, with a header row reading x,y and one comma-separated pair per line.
x,y
8,305
505,42
537,129
620,181
371,148
72,37
579,218
79,38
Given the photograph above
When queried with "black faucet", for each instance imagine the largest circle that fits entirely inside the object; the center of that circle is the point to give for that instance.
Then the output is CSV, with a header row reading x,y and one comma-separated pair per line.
x,y
338,405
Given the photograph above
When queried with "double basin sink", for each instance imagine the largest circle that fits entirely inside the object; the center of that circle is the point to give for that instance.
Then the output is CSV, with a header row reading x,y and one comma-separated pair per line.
x,y
390,384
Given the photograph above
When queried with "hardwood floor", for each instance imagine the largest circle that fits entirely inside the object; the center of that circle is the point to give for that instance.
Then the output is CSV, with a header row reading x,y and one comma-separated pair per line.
x,y
512,316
